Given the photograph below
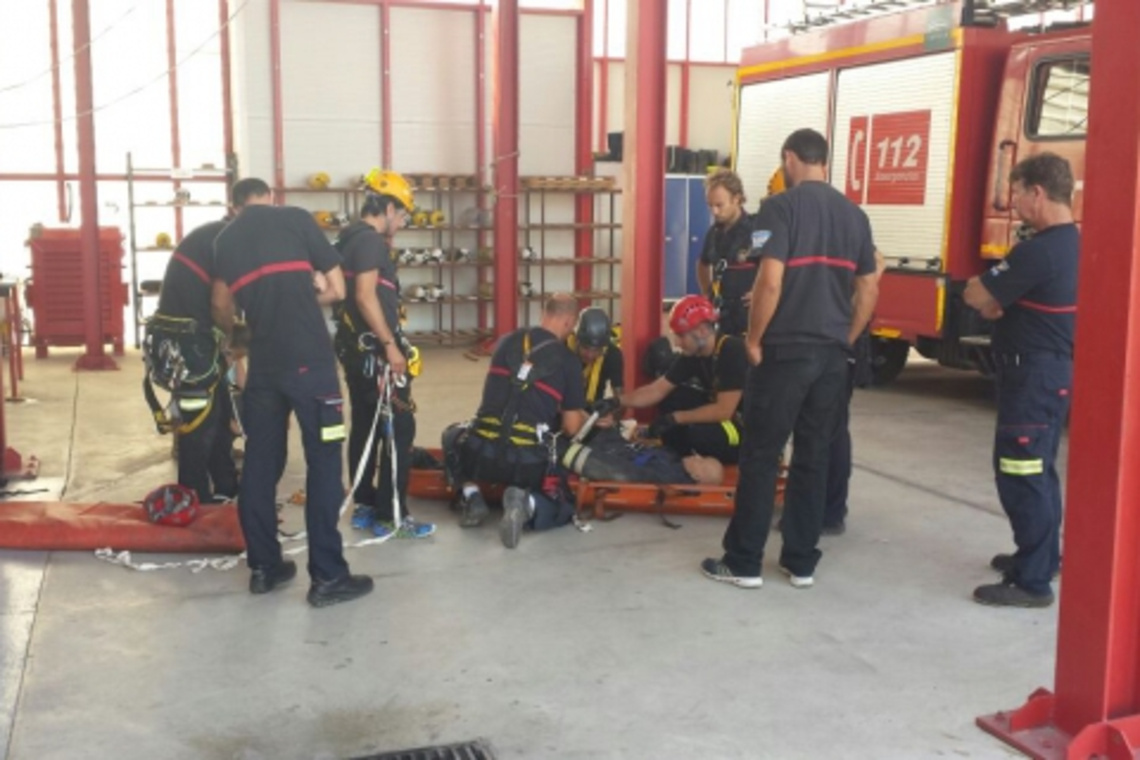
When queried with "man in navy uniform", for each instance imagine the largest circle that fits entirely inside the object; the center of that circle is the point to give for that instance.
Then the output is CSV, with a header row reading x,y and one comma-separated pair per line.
x,y
813,296
1032,298
265,263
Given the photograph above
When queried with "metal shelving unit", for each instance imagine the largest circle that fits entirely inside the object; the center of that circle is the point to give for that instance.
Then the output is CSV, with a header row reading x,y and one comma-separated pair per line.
x,y
140,294
535,225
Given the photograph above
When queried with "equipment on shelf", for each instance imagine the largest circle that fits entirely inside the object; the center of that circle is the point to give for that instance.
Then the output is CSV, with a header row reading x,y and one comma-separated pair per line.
x,y
526,290
433,292
461,255
528,253
407,256
434,256
420,218
181,196
436,218
318,181
163,240
415,293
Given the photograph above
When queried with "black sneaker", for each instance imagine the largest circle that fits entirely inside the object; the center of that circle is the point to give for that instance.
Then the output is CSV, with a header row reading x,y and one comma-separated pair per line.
x,y
1003,563
474,510
838,529
718,571
517,512
345,589
262,580
1009,594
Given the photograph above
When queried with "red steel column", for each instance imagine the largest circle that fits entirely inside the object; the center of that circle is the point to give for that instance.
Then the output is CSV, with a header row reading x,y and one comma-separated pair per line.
x,y
227,93
505,136
278,108
604,77
57,112
481,148
385,84
172,81
584,154
643,200
93,357
686,75
1095,709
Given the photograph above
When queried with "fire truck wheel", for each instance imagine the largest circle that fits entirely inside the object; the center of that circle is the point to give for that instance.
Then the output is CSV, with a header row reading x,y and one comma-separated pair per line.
x,y
888,357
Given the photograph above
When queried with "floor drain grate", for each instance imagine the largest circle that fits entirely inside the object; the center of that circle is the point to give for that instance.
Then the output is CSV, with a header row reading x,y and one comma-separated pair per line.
x,y
476,750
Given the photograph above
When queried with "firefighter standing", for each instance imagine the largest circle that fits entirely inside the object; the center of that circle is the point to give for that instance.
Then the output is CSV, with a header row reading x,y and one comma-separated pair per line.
x,y
710,373
265,262
368,337
532,399
814,295
727,267
1032,297
205,441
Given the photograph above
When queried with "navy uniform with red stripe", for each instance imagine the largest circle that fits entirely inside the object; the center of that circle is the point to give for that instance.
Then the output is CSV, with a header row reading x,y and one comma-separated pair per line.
x,y
533,378
824,242
1036,286
365,249
205,452
267,257
729,253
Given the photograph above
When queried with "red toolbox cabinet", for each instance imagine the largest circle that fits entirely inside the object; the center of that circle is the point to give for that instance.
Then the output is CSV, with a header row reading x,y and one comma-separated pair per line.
x,y
55,293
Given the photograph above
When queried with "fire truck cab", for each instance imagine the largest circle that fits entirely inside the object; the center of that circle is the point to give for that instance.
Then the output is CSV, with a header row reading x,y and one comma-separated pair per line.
x,y
926,111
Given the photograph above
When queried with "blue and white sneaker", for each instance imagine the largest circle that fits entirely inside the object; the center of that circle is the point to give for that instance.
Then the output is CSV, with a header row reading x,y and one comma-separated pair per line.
x,y
363,517
409,528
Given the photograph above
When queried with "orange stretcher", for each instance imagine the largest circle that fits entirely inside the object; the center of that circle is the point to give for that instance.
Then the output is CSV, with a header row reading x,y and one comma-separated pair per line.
x,y
49,525
597,498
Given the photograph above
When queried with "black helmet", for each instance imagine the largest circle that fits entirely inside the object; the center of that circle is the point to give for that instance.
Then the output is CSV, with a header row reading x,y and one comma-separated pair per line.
x,y
593,328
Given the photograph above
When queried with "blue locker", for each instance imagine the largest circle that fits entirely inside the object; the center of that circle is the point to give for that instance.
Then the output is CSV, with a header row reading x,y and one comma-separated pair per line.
x,y
700,219
686,221
676,236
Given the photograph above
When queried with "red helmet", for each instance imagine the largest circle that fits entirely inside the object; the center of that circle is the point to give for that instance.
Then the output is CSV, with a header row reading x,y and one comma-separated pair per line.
x,y
691,312
172,504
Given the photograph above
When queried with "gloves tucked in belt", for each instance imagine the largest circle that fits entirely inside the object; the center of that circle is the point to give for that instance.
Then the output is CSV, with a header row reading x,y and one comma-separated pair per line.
x,y
661,425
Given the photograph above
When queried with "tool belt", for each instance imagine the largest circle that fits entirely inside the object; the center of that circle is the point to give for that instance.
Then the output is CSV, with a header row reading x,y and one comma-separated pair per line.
x,y
186,361
361,353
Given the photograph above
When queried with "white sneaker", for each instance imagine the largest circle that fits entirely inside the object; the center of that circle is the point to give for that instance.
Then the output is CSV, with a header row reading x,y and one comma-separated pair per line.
x,y
798,581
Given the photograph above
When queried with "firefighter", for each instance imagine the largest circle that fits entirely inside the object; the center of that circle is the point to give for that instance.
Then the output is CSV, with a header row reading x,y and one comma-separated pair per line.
x,y
711,372
264,264
602,361
368,338
726,268
858,376
1031,297
532,399
205,440
813,296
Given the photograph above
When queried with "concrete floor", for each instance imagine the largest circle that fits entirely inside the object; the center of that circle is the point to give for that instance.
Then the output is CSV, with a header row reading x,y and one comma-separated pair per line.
x,y
606,644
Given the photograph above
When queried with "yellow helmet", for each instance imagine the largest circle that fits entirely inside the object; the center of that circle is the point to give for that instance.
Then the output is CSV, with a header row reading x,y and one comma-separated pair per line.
x,y
318,181
162,240
777,183
392,184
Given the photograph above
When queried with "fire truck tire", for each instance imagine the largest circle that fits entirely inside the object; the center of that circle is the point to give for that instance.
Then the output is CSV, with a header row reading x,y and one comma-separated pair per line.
x,y
888,357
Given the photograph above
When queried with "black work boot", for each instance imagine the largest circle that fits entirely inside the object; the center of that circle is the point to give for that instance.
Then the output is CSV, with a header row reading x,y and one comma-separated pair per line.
x,y
343,589
1009,594
262,580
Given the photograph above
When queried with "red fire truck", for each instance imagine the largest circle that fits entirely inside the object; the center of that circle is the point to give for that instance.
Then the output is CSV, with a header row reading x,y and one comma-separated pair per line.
x,y
926,111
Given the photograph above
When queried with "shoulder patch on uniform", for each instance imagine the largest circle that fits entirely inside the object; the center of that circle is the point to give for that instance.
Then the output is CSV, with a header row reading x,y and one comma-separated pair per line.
x,y
1001,266
760,237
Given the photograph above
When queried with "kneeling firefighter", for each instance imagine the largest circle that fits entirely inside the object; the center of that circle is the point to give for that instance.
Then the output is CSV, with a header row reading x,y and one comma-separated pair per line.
x,y
594,343
532,403
369,340
183,355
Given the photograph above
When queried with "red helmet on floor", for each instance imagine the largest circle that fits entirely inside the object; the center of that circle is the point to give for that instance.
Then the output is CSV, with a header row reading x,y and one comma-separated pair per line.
x,y
172,504
690,312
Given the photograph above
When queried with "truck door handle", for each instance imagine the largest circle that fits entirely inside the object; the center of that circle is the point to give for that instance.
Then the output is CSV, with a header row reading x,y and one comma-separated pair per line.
x,y
1001,175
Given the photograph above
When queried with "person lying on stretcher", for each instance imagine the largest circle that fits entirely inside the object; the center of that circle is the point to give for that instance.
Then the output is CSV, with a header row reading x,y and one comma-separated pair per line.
x,y
699,396
609,457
